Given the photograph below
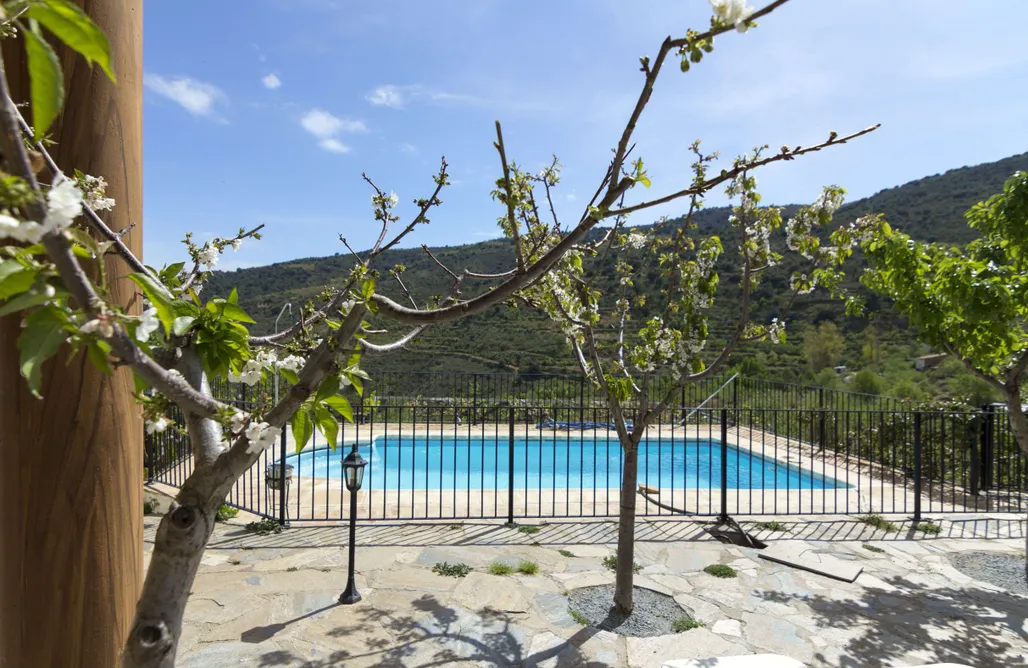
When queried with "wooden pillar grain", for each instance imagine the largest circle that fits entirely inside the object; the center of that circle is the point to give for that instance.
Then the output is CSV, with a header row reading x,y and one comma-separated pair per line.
x,y
71,465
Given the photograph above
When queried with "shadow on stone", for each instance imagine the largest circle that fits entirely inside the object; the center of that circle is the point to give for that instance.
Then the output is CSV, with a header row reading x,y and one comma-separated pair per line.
x,y
259,634
907,623
433,634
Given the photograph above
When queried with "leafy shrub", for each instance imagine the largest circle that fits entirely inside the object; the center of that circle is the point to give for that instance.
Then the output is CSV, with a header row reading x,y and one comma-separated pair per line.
x,y
149,506
292,569
611,564
566,553
867,382
264,527
878,522
451,570
529,529
872,548
579,618
225,513
773,525
720,571
500,568
528,567
683,624
930,528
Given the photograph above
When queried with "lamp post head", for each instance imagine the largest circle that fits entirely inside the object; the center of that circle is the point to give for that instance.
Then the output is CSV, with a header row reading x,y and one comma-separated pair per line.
x,y
353,469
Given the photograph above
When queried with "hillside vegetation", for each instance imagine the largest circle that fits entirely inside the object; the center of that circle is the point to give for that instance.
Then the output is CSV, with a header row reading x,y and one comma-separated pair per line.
x,y
504,339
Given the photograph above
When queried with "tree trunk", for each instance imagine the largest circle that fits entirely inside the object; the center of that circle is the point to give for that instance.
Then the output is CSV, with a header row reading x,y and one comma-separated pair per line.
x,y
71,465
626,533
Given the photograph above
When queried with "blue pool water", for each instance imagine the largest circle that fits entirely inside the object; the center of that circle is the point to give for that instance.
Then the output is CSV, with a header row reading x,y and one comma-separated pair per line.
x,y
446,462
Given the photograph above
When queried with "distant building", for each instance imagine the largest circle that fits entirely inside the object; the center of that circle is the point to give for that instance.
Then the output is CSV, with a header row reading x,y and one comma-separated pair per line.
x,y
840,370
925,362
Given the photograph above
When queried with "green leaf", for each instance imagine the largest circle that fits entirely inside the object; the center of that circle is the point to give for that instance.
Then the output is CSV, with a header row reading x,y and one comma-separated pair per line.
x,y
327,424
341,406
98,356
140,384
303,427
17,282
23,301
234,313
46,83
158,297
329,387
368,288
43,335
290,376
182,324
233,297
358,385
72,26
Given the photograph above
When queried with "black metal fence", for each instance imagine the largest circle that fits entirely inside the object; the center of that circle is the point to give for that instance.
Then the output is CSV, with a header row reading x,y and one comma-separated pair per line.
x,y
732,446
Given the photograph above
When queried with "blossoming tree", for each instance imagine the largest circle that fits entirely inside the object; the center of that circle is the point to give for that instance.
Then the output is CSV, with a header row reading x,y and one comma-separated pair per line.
x,y
51,234
623,349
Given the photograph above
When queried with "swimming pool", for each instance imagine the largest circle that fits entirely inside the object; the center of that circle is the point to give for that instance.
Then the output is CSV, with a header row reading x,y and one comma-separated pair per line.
x,y
448,462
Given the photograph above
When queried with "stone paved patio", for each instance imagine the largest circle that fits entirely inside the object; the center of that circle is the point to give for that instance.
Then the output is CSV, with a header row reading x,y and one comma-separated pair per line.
x,y
271,600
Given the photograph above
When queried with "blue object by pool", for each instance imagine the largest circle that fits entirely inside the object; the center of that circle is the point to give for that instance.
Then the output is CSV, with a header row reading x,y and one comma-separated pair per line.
x,y
448,462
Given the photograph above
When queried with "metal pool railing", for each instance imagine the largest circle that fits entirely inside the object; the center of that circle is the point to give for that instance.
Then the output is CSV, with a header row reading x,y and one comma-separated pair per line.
x,y
511,460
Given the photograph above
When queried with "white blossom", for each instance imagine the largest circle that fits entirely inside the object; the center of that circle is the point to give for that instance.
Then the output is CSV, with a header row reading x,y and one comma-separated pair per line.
x,y
157,426
776,331
734,12
237,422
635,240
25,231
236,243
208,257
261,436
148,324
346,306
63,205
100,325
393,199
291,363
95,195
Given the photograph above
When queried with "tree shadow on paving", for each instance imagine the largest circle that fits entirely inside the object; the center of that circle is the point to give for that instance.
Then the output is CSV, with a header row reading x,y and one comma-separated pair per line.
x,y
953,625
436,635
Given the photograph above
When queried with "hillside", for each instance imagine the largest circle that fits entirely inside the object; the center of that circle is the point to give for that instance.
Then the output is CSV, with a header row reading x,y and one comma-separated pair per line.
x,y
930,208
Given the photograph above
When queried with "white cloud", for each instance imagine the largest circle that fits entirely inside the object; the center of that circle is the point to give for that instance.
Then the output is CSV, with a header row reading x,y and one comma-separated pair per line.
x,y
571,197
271,81
334,146
387,96
397,97
196,97
408,147
326,127
322,124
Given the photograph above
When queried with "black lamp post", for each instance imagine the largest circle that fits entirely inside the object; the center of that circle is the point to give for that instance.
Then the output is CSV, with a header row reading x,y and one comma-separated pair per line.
x,y
353,470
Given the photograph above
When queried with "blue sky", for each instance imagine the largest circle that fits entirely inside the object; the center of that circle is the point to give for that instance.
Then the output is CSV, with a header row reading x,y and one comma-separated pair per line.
x,y
267,111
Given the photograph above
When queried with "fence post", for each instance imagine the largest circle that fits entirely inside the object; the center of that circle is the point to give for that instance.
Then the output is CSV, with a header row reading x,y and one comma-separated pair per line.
x,y
821,418
474,400
917,466
510,466
988,447
283,517
723,517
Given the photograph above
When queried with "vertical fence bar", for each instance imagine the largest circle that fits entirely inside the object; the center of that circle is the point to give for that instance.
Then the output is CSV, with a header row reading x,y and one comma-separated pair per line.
x,y
510,465
283,517
917,466
724,465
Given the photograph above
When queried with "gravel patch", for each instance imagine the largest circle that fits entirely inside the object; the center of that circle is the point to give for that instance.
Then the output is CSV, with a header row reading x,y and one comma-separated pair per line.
x,y
653,615
1002,570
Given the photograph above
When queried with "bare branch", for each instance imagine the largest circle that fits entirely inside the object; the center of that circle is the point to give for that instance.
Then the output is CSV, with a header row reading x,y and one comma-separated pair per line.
x,y
510,200
383,348
728,175
403,288
652,71
420,218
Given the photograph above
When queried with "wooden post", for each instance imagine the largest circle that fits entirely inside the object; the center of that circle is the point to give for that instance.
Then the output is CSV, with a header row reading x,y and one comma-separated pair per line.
x,y
71,465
